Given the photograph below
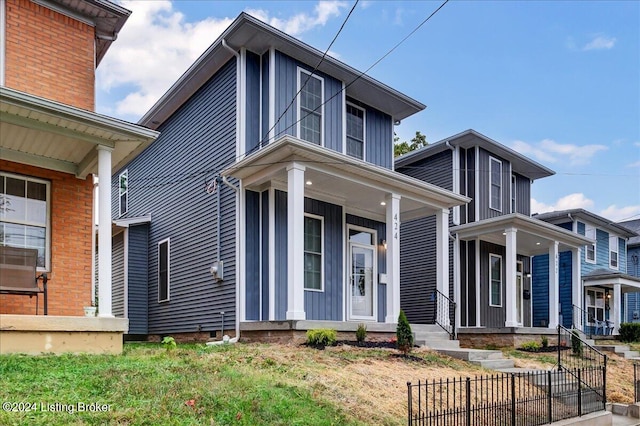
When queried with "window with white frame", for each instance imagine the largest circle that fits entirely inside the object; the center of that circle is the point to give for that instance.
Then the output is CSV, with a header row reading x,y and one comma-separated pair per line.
x,y
590,249
613,252
123,191
313,231
495,184
355,131
310,107
495,280
164,257
24,215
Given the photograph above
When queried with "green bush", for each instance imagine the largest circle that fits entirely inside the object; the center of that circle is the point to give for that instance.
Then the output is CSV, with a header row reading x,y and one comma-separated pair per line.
x,y
361,333
404,334
630,332
321,337
544,341
530,346
576,343
168,343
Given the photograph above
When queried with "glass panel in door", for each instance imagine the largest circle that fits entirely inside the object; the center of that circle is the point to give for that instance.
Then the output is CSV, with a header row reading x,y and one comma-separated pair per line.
x,y
361,281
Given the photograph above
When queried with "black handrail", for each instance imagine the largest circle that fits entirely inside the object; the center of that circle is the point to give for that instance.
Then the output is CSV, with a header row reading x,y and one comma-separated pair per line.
x,y
444,313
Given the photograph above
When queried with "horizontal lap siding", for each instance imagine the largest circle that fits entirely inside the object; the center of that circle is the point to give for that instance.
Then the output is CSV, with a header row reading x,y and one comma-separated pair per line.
x,y
167,181
565,292
436,170
138,280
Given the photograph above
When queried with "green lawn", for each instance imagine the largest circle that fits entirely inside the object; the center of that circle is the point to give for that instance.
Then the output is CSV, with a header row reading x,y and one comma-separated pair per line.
x,y
148,385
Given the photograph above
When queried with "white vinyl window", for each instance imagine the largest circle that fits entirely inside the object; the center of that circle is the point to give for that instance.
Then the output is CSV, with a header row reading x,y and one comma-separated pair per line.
x,y
25,215
613,252
313,245
355,131
164,270
590,249
495,280
310,107
495,184
123,192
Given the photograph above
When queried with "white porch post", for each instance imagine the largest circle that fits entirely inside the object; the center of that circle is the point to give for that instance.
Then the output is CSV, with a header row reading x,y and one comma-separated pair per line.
x,y
554,297
576,289
617,304
510,270
295,242
393,258
104,232
442,261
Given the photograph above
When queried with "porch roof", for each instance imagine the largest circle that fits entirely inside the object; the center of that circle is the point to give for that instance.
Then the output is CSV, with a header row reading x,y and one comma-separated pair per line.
x,y
533,238
55,136
606,278
341,179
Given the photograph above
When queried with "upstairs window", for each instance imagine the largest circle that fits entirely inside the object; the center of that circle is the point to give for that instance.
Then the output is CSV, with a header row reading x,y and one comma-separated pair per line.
x,y
495,184
590,249
355,131
313,252
613,252
123,192
24,215
310,107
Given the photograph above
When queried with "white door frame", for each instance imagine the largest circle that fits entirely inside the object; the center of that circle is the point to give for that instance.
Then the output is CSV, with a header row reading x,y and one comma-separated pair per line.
x,y
374,284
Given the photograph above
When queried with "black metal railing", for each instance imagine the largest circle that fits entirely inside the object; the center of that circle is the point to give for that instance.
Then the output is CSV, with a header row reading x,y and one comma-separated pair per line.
x,y
445,313
588,324
524,399
636,383
574,352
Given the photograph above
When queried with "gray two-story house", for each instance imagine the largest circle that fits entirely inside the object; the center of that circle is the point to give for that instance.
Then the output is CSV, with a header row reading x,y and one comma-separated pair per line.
x,y
492,240
269,201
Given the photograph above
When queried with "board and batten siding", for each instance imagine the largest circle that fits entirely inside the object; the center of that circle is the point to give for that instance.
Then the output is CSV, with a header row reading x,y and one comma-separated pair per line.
x,y
117,276
468,296
265,254
491,316
252,107
168,181
252,263
523,195
138,279
483,197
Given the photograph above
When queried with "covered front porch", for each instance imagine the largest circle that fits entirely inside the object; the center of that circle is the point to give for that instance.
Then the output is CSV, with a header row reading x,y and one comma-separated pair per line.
x,y
57,149
319,235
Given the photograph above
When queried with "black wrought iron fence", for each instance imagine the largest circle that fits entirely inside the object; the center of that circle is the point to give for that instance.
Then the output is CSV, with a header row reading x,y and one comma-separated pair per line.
x,y
518,399
445,313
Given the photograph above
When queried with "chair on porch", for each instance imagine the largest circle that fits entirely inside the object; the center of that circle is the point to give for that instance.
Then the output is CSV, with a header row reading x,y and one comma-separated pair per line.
x,y
18,274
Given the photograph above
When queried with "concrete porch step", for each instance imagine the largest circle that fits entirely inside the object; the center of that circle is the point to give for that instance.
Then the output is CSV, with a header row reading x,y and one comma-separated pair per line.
x,y
494,364
622,350
437,344
485,358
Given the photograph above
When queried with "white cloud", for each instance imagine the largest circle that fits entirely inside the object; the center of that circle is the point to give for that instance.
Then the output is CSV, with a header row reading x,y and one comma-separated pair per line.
x,y
550,151
636,164
637,144
572,201
600,42
618,214
158,44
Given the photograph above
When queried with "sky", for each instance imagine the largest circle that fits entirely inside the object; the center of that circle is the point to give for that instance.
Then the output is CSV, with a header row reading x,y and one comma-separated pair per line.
x,y
558,81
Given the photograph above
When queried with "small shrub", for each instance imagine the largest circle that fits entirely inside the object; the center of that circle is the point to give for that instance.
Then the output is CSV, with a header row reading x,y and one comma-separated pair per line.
x,y
404,334
168,343
321,337
361,333
629,332
544,341
576,343
491,347
530,346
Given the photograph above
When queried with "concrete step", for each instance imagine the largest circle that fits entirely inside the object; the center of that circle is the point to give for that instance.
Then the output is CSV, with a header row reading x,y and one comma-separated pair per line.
x,y
417,328
494,364
471,354
437,344
427,335
631,354
613,348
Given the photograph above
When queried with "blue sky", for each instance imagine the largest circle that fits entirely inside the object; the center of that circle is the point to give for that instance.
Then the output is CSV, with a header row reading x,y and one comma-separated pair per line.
x,y
558,81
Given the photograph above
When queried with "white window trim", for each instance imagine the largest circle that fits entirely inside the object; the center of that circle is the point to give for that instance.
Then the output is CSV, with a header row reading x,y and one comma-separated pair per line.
x,y
301,71
47,260
616,251
491,160
374,236
364,130
168,241
120,194
321,219
588,231
491,256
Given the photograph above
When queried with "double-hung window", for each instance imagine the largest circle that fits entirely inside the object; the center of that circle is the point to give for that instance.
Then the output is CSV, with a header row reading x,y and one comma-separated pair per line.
x,y
495,280
590,249
313,230
123,191
164,257
613,252
310,107
24,215
495,184
355,131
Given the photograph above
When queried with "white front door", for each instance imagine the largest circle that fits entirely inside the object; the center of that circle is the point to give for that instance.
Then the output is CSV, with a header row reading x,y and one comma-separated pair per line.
x,y
362,291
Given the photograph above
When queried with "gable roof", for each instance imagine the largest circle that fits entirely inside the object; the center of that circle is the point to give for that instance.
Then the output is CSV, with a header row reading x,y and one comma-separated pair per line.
x,y
633,225
470,138
559,216
258,37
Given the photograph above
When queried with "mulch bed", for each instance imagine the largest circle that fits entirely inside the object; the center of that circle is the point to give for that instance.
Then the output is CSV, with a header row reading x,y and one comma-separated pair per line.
x,y
545,350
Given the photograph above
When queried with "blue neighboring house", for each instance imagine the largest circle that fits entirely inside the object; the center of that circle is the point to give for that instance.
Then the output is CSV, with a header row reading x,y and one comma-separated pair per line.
x,y
599,307
269,201
493,239
632,300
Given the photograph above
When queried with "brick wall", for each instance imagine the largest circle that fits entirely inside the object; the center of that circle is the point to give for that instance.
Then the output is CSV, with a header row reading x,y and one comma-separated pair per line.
x,y
49,54
70,276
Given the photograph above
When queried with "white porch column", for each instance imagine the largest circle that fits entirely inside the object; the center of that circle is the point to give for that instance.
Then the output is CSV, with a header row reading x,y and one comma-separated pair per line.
x,y
393,258
104,232
295,242
617,305
442,261
554,290
577,293
511,258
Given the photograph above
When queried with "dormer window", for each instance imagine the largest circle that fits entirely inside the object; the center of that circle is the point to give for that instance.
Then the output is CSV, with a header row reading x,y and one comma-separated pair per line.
x,y
495,184
310,107
355,131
